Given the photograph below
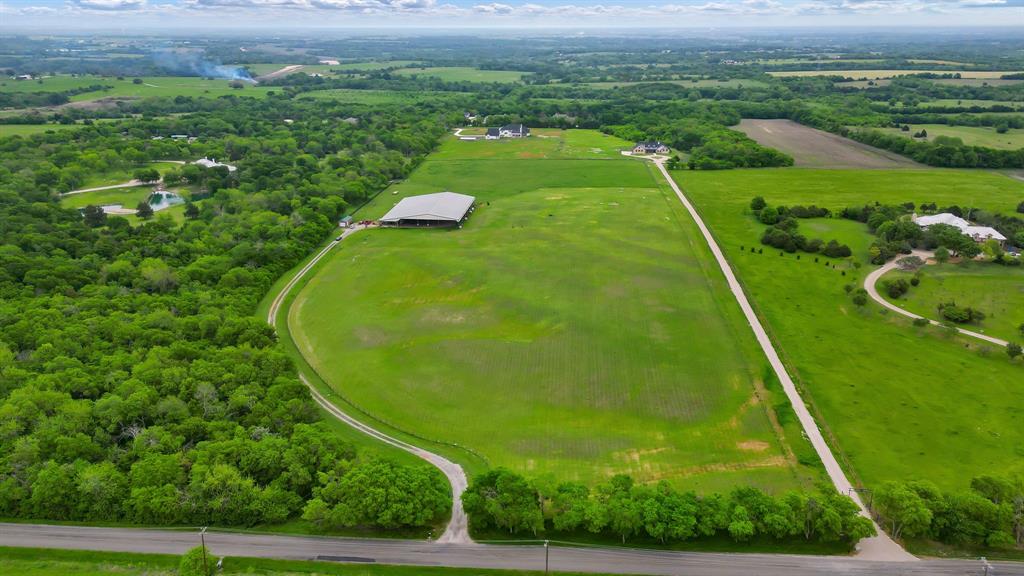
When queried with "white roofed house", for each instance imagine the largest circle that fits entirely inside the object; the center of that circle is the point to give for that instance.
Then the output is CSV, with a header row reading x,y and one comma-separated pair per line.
x,y
977,233
212,163
430,210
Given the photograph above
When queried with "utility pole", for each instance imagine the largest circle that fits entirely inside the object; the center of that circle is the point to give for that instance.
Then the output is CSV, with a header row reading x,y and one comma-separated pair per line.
x,y
202,540
546,550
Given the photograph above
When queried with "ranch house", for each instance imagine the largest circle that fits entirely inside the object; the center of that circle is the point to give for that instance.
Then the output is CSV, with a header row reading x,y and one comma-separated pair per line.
x,y
650,147
977,233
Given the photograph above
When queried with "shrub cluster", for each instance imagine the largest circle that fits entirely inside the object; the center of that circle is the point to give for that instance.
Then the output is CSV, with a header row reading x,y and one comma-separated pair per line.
x,y
990,513
620,508
960,314
782,231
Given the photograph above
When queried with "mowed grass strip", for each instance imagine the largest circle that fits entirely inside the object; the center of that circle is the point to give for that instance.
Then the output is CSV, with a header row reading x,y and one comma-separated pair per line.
x,y
903,402
998,291
572,329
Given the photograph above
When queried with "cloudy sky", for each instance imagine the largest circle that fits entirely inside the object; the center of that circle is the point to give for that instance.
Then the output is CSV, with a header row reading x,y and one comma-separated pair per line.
x,y
167,14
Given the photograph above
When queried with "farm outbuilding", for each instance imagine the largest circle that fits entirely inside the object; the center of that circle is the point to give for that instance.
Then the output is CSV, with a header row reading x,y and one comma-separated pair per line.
x,y
439,209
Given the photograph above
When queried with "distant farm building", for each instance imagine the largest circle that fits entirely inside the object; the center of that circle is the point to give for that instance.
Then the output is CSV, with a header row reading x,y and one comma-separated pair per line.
x,y
430,210
650,147
976,233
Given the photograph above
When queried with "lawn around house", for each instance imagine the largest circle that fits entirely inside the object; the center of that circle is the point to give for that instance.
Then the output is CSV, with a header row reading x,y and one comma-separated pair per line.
x,y
500,336
899,402
998,291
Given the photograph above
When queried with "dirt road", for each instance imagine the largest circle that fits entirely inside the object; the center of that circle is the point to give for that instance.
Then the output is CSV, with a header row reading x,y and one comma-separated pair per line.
x,y
457,531
128,184
879,547
282,72
872,279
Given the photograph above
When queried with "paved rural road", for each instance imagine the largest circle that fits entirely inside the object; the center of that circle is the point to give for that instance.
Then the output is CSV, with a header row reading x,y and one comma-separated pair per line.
x,y
879,547
872,279
458,526
605,560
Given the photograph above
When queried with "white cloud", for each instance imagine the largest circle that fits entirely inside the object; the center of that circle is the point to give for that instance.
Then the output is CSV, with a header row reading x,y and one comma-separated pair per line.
x,y
110,5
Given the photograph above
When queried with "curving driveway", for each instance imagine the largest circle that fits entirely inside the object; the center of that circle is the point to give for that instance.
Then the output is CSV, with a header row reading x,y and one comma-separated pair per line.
x,y
872,279
457,531
879,547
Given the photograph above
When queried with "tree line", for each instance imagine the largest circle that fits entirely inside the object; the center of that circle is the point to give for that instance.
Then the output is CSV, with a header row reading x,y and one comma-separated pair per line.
x,y
620,508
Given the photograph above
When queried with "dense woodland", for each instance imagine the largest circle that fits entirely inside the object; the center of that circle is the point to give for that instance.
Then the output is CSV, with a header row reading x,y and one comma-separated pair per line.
x,y
135,382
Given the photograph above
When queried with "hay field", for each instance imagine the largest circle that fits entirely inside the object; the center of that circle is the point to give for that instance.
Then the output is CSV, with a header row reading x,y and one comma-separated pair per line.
x,y
575,327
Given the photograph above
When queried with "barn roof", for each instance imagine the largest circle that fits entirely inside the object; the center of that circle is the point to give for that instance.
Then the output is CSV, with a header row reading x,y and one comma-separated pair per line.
x,y
443,206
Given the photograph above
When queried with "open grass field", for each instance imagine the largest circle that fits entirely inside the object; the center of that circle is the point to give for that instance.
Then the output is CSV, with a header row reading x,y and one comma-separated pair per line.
x,y
354,96
30,129
168,86
695,83
575,326
463,74
880,74
967,103
971,135
900,402
998,291
812,148
50,562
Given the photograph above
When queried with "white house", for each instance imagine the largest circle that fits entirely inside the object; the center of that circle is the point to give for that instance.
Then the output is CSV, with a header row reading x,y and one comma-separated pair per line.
x,y
212,163
976,233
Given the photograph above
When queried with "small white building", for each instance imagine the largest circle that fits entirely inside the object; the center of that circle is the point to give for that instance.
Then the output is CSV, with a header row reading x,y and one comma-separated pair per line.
x,y
212,163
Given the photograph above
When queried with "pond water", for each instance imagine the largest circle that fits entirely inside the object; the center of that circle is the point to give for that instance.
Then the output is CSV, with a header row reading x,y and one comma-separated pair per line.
x,y
162,200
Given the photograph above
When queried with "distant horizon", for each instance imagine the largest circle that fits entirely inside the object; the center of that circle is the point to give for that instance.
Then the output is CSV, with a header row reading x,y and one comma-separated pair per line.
x,y
56,16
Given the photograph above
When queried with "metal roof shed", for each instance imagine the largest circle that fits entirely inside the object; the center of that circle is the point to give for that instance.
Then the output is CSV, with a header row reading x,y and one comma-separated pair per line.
x,y
439,209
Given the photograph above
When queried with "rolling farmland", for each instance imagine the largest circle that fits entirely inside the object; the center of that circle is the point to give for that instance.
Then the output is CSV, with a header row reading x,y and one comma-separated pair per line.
x,y
500,336
873,377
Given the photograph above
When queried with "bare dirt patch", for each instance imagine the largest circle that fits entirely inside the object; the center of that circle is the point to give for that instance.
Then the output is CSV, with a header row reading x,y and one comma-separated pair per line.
x,y
811,148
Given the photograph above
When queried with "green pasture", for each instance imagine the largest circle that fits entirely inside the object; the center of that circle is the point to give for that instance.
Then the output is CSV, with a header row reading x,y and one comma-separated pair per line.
x,y
892,73
127,197
971,135
998,291
30,129
168,86
543,143
967,103
463,74
694,83
898,401
375,65
576,326
355,96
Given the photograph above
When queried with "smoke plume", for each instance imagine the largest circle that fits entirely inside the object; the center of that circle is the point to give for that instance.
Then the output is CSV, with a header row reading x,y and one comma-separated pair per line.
x,y
195,64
